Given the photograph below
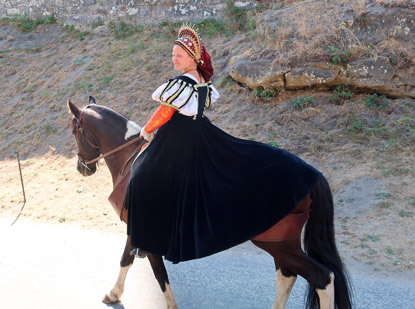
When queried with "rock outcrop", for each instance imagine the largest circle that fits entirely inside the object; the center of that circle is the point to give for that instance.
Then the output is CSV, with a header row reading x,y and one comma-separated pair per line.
x,y
372,50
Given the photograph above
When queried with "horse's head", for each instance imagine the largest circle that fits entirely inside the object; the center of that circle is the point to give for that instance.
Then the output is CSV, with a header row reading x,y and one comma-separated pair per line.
x,y
88,145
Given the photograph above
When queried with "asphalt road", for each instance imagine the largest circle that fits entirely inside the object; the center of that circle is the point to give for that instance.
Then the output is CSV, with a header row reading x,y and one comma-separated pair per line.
x,y
59,266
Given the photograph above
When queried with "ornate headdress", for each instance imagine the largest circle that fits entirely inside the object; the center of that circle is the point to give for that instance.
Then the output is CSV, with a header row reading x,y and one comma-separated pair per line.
x,y
189,39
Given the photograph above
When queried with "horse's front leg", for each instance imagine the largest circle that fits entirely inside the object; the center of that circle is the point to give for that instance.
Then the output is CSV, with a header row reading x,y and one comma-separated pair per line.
x,y
160,273
127,260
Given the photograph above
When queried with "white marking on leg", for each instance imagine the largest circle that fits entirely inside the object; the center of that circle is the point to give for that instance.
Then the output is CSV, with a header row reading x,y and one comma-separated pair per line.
x,y
132,129
284,287
168,296
118,288
326,295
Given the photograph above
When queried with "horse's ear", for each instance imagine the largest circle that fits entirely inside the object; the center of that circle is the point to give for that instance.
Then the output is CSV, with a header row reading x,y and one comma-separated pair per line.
x,y
92,100
73,109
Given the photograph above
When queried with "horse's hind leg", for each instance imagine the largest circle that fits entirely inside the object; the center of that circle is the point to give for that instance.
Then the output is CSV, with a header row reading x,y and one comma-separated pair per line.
x,y
285,284
160,273
291,261
127,260
326,295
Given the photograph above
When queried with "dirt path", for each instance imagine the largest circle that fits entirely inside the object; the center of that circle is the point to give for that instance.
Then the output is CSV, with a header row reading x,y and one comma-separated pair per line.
x,y
57,193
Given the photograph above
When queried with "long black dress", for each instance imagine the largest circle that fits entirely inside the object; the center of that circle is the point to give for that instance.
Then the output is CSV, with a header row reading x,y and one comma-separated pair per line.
x,y
196,190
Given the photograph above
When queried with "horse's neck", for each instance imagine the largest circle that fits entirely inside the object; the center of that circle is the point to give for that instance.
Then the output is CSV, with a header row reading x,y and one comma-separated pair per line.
x,y
119,162
121,132
115,167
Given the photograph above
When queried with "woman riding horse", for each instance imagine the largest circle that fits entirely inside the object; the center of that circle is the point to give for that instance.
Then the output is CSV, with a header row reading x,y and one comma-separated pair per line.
x,y
196,190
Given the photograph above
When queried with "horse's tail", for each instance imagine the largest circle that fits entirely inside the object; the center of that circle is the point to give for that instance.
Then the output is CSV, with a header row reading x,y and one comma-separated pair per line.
x,y
319,244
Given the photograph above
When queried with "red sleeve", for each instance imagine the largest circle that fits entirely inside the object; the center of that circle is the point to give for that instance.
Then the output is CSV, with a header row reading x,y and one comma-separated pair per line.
x,y
160,117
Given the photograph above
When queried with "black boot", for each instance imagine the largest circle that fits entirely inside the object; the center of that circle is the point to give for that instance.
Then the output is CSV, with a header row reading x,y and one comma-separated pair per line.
x,y
140,253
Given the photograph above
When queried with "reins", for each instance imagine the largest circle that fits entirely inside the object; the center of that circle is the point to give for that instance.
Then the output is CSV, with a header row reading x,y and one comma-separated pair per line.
x,y
114,150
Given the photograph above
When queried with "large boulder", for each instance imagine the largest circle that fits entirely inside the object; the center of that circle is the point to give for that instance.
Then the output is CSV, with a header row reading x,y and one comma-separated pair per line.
x,y
257,73
376,74
311,77
371,48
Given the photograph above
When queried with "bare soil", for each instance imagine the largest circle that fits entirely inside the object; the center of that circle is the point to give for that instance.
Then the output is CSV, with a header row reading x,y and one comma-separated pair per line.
x,y
366,153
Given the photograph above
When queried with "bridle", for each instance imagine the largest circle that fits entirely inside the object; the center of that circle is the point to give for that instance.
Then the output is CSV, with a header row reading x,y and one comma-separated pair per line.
x,y
79,130
81,135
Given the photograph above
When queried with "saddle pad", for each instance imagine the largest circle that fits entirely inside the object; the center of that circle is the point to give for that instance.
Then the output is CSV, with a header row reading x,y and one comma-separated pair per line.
x,y
288,226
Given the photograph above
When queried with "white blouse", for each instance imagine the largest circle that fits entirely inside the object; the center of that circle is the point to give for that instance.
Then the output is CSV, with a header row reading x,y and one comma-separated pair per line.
x,y
190,108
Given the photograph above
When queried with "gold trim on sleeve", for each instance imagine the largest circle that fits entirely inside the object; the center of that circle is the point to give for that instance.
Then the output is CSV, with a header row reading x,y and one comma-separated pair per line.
x,y
169,105
167,88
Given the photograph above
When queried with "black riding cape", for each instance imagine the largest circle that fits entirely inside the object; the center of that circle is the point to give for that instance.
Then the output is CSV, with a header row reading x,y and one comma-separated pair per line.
x,y
196,190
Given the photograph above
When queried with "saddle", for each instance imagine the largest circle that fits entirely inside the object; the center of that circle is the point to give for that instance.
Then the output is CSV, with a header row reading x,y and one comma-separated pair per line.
x,y
289,225
117,196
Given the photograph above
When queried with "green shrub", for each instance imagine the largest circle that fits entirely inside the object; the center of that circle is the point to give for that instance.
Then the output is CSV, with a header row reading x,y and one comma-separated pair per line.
x,y
124,30
404,213
301,102
356,125
261,93
69,28
377,101
80,35
49,128
212,28
44,93
27,24
340,94
224,81
50,19
338,56
237,18
30,89
274,144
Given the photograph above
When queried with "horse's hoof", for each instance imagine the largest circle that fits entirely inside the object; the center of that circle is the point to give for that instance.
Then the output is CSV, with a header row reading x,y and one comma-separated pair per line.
x,y
110,299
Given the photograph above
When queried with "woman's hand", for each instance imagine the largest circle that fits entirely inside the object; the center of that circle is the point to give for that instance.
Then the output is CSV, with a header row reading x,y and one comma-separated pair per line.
x,y
147,136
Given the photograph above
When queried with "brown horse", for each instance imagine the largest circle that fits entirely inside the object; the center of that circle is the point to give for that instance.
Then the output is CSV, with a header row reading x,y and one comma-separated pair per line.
x,y
102,133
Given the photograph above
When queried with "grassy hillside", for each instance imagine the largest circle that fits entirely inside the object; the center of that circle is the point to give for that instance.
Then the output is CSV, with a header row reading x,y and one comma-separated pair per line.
x,y
347,135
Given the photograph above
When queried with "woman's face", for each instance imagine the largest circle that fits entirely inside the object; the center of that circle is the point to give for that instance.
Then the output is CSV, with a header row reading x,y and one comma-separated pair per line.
x,y
182,60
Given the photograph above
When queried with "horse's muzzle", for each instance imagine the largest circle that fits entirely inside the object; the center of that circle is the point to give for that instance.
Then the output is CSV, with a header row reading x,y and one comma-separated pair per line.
x,y
86,170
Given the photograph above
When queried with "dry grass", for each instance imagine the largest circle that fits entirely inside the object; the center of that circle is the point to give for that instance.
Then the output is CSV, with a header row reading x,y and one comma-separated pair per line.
x,y
397,3
308,28
400,54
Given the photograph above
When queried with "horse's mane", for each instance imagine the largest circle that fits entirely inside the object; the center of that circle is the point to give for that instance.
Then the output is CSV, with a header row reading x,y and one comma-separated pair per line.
x,y
118,120
107,112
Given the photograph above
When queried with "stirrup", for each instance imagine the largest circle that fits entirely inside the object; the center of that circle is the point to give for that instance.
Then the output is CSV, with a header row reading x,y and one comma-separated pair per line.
x,y
139,253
